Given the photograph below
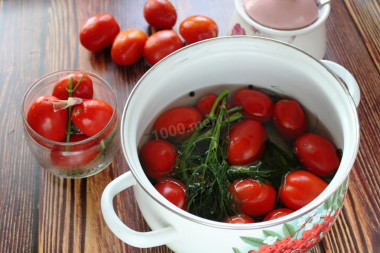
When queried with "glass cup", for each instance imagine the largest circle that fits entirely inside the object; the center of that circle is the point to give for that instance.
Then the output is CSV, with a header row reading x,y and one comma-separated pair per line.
x,y
81,158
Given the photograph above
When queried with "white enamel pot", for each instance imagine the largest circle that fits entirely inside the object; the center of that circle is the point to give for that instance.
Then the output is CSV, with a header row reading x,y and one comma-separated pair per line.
x,y
311,39
210,66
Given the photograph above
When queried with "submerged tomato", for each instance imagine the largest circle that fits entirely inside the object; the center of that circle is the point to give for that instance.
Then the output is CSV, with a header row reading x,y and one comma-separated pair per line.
x,y
178,123
91,116
317,154
255,104
127,48
98,32
277,213
247,142
83,90
45,121
161,44
239,219
254,198
205,103
289,119
300,188
197,28
173,190
158,157
160,14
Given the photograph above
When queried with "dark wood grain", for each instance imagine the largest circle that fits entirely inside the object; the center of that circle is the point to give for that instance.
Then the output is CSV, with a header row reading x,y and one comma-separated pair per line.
x,y
42,213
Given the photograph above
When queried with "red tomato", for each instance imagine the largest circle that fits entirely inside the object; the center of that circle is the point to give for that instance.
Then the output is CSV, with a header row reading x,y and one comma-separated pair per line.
x,y
178,123
317,154
158,158
300,188
160,14
254,198
91,116
161,44
205,103
76,156
173,190
127,48
247,142
84,89
255,104
197,28
98,32
47,123
239,219
277,213
289,119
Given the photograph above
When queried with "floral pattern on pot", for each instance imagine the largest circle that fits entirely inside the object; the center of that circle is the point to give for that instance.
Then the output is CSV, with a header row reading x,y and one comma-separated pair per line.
x,y
302,233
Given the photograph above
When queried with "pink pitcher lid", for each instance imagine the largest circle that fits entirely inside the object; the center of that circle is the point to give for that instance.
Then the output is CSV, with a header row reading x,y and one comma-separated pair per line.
x,y
282,14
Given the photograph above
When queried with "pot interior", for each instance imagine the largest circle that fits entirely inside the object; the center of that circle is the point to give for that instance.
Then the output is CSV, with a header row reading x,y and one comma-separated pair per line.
x,y
233,62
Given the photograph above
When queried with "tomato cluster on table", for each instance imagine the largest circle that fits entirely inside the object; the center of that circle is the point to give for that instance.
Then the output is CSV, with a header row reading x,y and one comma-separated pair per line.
x,y
260,188
70,114
130,45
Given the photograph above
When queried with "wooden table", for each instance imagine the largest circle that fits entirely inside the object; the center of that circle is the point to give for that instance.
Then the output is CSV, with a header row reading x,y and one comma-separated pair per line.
x,y
43,213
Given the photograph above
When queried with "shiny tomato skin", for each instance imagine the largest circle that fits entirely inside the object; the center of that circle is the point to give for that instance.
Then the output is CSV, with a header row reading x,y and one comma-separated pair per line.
x,y
47,123
178,123
300,188
173,190
98,32
239,219
246,142
160,14
197,28
91,116
205,103
253,197
127,47
317,154
161,44
256,104
76,156
84,90
277,213
158,158
289,119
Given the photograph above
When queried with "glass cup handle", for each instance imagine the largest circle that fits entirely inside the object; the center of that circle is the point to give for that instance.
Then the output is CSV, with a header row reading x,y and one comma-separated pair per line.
x,y
123,232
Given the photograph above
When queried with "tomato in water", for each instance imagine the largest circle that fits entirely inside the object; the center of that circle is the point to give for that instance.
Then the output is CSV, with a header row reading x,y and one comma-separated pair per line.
x,y
45,121
91,116
300,188
289,119
84,90
161,44
317,154
160,14
127,48
247,142
173,190
158,158
98,32
177,123
277,213
76,156
256,104
205,103
197,28
253,197
239,219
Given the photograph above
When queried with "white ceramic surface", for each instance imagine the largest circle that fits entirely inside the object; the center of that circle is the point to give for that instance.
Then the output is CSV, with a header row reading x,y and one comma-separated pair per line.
x,y
312,39
234,62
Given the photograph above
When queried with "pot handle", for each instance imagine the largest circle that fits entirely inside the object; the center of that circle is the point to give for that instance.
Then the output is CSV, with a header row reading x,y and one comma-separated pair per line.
x,y
124,233
347,77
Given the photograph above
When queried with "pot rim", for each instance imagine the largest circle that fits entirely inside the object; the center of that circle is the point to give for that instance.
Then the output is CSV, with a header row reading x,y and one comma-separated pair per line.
x,y
323,15
220,225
